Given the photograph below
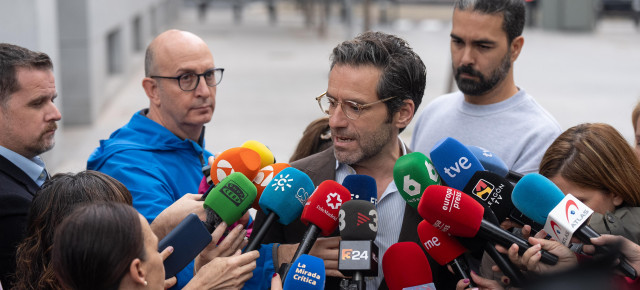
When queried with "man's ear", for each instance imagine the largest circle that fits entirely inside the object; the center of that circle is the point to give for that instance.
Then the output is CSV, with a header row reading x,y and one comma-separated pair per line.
x,y
405,113
516,47
137,272
150,87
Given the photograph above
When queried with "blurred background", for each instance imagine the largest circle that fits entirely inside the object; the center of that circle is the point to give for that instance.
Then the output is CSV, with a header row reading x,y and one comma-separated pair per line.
x,y
581,60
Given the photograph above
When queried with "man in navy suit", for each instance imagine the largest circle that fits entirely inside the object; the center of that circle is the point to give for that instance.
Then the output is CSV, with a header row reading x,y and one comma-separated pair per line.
x,y
27,126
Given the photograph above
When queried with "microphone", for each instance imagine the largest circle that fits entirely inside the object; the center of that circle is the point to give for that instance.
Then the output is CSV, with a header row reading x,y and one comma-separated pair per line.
x,y
405,266
229,200
412,174
445,249
361,187
307,272
493,163
320,214
495,191
454,162
563,216
358,224
452,211
264,177
232,160
282,200
266,156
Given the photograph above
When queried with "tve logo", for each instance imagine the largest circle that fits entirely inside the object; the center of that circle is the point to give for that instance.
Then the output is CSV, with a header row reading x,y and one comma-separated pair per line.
x,y
462,164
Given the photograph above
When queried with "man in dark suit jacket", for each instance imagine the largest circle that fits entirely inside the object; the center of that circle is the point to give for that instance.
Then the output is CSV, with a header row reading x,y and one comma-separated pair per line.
x,y
27,126
375,85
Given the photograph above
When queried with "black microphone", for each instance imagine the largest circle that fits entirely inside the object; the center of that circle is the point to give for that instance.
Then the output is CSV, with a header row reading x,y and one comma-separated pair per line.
x,y
495,191
358,224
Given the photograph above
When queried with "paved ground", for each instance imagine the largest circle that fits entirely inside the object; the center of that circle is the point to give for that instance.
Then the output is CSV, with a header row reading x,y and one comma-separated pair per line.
x,y
273,74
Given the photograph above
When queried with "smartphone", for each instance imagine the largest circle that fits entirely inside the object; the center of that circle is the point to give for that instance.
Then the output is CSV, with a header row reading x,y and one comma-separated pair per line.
x,y
188,239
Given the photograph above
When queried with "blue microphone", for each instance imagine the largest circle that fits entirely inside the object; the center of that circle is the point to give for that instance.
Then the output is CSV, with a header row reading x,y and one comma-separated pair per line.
x,y
282,200
307,272
362,187
536,196
454,162
493,163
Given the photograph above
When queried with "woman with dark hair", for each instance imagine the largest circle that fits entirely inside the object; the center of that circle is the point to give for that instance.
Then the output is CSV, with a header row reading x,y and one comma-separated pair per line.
x,y
64,192
106,246
595,164
111,246
57,198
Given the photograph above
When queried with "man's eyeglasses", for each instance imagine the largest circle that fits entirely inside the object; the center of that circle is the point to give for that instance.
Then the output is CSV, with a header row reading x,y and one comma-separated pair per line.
x,y
350,109
190,81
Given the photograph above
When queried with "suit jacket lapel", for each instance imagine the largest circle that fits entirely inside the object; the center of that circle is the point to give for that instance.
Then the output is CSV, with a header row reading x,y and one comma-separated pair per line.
x,y
14,172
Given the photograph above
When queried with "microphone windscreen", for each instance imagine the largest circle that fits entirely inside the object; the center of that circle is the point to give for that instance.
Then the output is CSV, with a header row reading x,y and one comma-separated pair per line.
x,y
413,173
238,159
307,272
454,162
535,196
450,210
405,265
358,220
264,177
361,187
492,190
231,198
439,245
323,207
489,161
286,194
266,156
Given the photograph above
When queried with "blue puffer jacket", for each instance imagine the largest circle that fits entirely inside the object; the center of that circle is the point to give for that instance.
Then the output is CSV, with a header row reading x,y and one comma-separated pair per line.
x,y
154,164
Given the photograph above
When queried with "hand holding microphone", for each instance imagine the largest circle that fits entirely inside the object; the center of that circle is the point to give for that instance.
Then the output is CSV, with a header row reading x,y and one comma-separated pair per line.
x,y
452,211
229,200
541,200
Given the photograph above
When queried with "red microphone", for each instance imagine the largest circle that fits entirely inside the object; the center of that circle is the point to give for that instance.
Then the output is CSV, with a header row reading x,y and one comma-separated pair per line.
x,y
445,249
264,176
452,211
238,159
320,213
405,265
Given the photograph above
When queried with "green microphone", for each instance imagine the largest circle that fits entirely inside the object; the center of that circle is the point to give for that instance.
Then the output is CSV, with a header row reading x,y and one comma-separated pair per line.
x,y
229,200
412,173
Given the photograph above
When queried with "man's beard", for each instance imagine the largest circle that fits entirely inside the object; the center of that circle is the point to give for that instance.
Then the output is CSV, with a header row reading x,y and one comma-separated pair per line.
x,y
482,85
370,146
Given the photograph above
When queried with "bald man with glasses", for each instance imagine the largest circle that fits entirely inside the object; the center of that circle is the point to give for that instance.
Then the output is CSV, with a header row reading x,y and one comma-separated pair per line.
x,y
160,153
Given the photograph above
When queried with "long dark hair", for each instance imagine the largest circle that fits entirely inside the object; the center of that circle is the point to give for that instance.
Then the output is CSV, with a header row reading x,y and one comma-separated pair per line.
x,y
94,246
57,198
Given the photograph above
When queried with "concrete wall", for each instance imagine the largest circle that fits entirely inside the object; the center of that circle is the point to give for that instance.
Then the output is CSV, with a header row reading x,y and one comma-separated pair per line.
x,y
75,33
93,34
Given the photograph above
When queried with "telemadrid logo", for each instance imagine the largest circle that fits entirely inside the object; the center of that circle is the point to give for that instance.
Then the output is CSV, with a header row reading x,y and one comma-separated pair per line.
x,y
338,200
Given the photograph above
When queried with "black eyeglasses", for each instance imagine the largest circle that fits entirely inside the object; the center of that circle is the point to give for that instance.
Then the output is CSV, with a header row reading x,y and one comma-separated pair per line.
x,y
190,81
350,109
